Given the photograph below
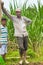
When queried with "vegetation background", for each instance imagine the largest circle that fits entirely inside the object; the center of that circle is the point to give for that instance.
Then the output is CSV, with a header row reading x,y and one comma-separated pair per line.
x,y
35,30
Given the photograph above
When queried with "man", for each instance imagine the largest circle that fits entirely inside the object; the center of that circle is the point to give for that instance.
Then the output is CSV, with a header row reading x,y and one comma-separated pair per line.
x,y
3,38
20,32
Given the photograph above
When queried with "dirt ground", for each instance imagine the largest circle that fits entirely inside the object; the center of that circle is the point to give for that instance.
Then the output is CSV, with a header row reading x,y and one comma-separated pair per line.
x,y
38,63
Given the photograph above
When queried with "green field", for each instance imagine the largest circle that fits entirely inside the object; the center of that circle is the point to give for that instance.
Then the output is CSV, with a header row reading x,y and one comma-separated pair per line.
x,y
35,30
33,57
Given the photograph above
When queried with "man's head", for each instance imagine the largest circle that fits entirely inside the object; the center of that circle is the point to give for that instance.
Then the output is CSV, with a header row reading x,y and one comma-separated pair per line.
x,y
3,21
18,13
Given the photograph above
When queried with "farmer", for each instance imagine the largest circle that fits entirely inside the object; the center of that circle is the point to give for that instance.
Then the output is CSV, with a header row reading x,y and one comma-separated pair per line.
x,y
3,38
20,31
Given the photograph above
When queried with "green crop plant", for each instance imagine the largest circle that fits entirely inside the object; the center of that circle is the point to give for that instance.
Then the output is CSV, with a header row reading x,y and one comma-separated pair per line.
x,y
35,29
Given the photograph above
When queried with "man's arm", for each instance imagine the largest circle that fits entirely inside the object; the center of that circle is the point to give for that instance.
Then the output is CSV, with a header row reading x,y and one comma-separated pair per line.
x,y
6,12
27,20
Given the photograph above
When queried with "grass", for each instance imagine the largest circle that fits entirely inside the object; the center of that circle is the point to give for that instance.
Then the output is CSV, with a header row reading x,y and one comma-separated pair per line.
x,y
16,54
13,54
34,30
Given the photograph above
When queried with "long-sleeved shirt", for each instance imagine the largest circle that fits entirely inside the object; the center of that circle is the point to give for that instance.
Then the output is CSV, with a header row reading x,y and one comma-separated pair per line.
x,y
19,24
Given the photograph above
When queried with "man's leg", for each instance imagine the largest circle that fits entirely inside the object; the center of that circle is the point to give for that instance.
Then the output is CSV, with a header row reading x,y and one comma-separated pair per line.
x,y
21,53
4,51
21,56
21,48
4,55
25,47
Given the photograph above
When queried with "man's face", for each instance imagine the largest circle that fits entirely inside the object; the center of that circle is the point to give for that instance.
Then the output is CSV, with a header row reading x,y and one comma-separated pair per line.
x,y
18,13
4,22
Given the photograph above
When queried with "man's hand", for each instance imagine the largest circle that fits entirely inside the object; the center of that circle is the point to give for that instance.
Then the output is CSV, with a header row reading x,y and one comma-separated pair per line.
x,y
0,45
2,4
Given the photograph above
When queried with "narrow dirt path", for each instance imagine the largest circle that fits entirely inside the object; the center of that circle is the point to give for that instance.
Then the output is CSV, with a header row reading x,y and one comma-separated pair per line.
x,y
38,63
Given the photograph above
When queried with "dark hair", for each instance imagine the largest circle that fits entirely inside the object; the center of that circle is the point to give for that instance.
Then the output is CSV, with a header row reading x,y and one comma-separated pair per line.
x,y
3,19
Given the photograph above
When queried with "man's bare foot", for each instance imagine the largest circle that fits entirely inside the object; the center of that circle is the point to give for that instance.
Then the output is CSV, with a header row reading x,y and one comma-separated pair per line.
x,y
21,62
26,62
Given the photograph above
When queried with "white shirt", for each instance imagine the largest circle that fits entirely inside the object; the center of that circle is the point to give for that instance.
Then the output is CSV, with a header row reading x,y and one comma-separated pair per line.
x,y
20,26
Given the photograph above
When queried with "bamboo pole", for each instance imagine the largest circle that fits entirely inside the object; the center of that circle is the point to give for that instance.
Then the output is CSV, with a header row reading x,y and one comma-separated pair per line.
x,y
0,11
8,58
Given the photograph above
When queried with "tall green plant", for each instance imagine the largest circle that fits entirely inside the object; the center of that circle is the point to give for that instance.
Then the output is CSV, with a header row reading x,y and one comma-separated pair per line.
x,y
36,27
